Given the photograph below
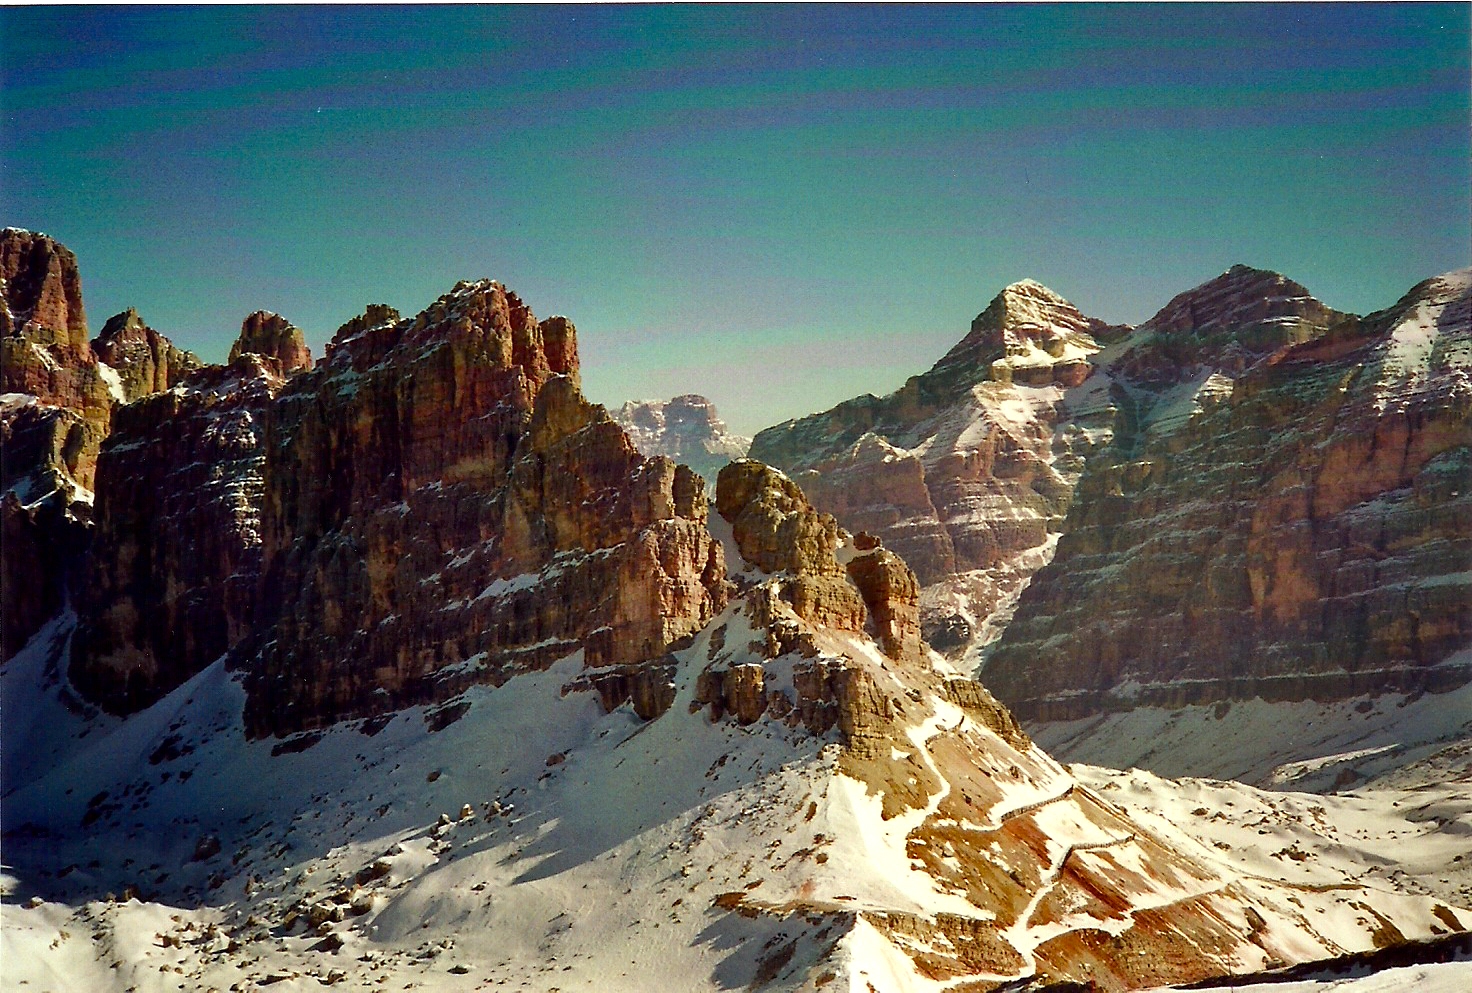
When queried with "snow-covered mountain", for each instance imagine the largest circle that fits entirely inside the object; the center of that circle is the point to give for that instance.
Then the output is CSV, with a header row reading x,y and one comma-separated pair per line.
x,y
406,668
686,429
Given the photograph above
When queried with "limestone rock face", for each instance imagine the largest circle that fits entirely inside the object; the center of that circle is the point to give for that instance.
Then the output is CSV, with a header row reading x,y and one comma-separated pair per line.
x,y
145,361
172,574
966,472
273,337
43,337
43,512
1302,532
686,429
777,530
52,422
42,290
442,507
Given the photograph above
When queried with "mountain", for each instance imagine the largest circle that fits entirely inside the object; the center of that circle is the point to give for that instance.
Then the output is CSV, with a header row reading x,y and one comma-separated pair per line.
x,y
967,471
1303,530
406,666
59,393
686,429
802,806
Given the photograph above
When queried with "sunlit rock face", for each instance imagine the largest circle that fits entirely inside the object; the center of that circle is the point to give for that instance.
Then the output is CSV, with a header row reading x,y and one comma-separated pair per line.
x,y
967,471
1303,528
442,507
146,362
686,429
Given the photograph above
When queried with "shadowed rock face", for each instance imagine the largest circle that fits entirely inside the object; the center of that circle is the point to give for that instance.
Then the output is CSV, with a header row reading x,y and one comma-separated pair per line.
x,y
51,427
172,574
1303,533
443,507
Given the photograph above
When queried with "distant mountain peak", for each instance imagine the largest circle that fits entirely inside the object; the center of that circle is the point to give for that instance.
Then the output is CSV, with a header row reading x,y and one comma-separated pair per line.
x,y
1245,299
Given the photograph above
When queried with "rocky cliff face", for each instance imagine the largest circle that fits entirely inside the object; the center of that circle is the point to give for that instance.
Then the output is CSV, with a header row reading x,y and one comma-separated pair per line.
x,y
54,414
442,508
61,396
171,578
967,471
145,361
1300,530
685,429
275,339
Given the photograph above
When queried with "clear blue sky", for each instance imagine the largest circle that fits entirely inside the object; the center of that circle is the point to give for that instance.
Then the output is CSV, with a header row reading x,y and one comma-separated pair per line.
x,y
777,206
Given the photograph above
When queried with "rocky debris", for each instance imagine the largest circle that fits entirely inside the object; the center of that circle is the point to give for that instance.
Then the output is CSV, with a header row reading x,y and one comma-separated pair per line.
x,y
274,338
686,429
967,470
145,361
171,579
443,507
1303,535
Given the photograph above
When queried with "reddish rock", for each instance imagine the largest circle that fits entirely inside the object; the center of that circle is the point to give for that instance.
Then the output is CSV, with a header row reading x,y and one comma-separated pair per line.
x,y
1306,535
171,576
51,428
443,507
892,595
275,338
42,290
967,470
145,361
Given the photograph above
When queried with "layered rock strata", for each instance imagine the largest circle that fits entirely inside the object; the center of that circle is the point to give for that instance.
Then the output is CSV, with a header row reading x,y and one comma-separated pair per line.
x,y
172,574
145,361
1302,532
967,471
54,414
686,429
443,507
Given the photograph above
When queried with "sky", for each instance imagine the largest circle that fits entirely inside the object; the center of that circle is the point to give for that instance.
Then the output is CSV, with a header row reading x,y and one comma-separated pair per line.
x,y
778,207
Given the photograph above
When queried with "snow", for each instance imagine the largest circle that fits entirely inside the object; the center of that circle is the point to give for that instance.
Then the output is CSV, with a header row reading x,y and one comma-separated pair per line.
x,y
114,382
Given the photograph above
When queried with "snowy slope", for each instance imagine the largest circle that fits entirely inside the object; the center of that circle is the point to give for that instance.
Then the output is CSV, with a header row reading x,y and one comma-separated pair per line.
x,y
538,843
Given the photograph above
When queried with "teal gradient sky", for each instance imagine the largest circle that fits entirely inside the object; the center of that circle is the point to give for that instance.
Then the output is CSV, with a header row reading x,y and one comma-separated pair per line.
x,y
777,206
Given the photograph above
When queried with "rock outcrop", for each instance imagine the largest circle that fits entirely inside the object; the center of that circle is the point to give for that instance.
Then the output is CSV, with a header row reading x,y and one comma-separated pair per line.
x,y
967,471
42,290
55,413
443,507
685,429
1300,530
274,338
145,361
172,574
43,348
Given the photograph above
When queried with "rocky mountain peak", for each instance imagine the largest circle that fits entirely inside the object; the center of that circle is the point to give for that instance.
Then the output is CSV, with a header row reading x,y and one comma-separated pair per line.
x,y
41,287
144,360
1033,332
1246,300
685,429
273,336
127,324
